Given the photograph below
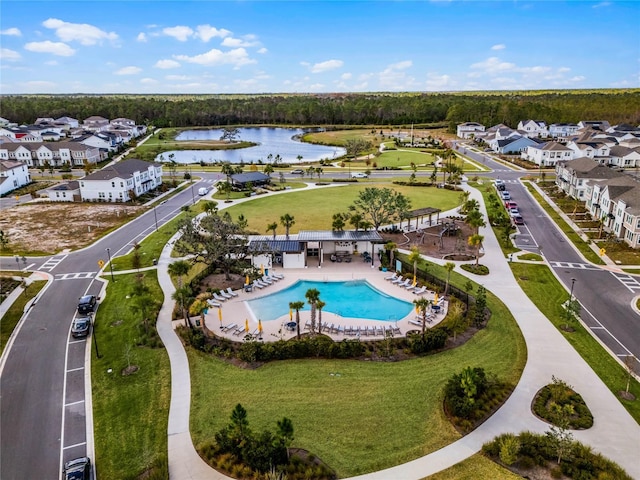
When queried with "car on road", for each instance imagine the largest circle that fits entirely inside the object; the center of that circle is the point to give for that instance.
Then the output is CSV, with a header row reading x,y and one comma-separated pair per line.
x,y
505,195
359,175
510,204
77,469
517,220
513,211
80,327
203,191
297,171
87,304
500,186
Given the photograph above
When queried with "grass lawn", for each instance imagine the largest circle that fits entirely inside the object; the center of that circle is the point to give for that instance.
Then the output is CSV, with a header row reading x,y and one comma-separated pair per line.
x,y
13,314
402,159
313,209
130,412
571,234
371,416
544,290
476,467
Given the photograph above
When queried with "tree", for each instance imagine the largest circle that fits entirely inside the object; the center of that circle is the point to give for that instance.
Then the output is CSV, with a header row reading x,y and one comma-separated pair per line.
x,y
475,241
355,219
475,219
354,146
338,222
313,295
481,304
380,205
630,363
182,296
422,304
4,240
240,422
142,305
268,169
213,240
226,188
272,227
179,269
135,257
320,305
297,306
414,258
198,307
287,222
210,207
449,266
229,134
571,311
87,166
285,432
559,436
390,247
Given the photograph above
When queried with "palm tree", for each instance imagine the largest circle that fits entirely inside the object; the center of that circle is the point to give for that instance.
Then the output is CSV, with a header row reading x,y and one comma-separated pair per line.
x,y
422,304
268,169
297,306
415,257
198,307
181,296
320,305
272,227
476,241
475,219
391,248
179,269
287,222
210,207
313,295
449,266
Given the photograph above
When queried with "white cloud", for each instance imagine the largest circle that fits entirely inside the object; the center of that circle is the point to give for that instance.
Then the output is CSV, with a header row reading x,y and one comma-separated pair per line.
x,y
82,32
316,87
14,32
394,78
262,50
176,78
214,57
601,5
438,82
142,37
326,66
207,32
55,48
499,46
131,70
245,41
52,63
40,84
400,65
577,78
493,65
180,32
10,55
148,81
346,76
166,64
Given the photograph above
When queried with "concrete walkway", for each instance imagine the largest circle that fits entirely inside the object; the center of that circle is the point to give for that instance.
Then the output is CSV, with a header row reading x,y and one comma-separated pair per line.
x,y
615,433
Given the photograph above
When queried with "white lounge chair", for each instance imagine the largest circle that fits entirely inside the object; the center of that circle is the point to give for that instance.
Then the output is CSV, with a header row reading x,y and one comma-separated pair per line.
x,y
406,283
258,285
231,326
392,277
231,292
225,295
398,280
277,275
266,280
420,291
411,286
219,298
415,322
261,283
213,304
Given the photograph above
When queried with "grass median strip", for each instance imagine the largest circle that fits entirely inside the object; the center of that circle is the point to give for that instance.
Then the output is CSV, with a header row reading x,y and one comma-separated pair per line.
x,y
14,313
539,284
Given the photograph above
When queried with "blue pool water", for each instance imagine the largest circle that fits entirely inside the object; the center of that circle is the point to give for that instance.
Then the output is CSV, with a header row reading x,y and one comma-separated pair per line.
x,y
354,299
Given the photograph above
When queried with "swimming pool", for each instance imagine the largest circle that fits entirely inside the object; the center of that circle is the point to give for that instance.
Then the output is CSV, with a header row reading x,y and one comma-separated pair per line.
x,y
352,299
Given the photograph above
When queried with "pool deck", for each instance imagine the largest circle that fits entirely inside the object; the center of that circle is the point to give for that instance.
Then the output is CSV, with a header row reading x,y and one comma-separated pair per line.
x,y
236,311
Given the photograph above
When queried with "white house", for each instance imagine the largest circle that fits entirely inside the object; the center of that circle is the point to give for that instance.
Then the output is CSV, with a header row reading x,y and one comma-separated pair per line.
x,y
121,182
95,123
65,192
617,203
624,157
561,130
55,154
533,128
104,140
13,174
602,125
547,154
595,149
575,176
71,122
469,129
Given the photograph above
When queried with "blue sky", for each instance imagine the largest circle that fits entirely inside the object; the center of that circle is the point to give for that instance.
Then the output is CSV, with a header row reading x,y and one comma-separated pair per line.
x,y
312,47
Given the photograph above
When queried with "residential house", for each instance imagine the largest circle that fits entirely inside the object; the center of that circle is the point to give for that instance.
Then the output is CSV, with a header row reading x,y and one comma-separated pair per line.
x,y
533,128
56,154
515,144
65,192
562,130
18,134
13,174
574,176
547,154
240,181
95,123
71,122
591,148
104,141
601,125
4,122
121,181
624,157
469,129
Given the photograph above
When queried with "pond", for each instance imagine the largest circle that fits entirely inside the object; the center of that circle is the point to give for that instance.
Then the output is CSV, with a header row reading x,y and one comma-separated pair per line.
x,y
270,141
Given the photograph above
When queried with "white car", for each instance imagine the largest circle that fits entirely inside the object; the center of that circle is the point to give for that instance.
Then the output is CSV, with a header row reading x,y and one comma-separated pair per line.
x,y
359,175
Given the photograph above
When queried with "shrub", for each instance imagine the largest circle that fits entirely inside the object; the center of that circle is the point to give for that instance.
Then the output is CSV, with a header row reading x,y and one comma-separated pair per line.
x,y
509,449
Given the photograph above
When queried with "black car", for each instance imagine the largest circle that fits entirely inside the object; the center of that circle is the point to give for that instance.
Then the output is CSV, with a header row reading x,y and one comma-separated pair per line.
x,y
80,327
78,469
87,304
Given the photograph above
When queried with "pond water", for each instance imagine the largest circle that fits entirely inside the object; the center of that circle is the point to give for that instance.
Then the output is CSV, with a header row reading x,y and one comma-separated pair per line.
x,y
270,141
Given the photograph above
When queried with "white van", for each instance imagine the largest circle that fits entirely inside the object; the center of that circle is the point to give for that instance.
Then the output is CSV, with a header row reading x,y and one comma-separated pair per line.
x,y
203,191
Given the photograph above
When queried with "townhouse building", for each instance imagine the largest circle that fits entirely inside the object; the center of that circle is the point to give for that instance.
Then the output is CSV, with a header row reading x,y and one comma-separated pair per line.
x,y
56,154
121,182
13,174
547,154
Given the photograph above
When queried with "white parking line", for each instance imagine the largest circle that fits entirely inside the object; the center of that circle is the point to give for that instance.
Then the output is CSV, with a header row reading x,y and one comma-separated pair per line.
x,y
76,341
75,369
76,445
73,403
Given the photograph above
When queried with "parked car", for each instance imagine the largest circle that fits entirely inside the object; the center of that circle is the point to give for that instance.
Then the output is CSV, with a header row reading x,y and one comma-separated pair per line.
x,y
80,327
87,304
359,175
77,469
203,191
518,220
505,195
500,186
510,204
513,211
297,171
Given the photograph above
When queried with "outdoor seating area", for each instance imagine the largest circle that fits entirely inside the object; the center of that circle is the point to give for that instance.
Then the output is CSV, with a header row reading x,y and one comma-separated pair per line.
x,y
407,283
381,330
263,282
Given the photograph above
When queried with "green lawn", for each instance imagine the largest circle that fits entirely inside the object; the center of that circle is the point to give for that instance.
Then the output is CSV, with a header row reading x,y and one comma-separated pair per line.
x,y
371,416
313,209
541,286
13,314
130,412
477,467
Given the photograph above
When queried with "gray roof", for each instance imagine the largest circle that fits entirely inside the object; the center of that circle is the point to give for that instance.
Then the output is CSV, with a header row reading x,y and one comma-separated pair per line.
x,y
72,185
123,169
331,236
262,243
249,177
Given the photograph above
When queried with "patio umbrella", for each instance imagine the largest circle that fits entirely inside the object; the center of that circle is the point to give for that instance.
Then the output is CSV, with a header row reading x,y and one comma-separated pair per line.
x,y
417,310
290,315
220,316
415,280
261,269
435,298
260,326
246,280
246,325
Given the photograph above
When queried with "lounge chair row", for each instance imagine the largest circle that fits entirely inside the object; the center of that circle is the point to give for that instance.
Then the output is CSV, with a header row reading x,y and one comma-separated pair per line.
x,y
406,283
223,296
267,280
366,331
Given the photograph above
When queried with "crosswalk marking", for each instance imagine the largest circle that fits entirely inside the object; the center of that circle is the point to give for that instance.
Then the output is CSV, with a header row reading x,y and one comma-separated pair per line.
x,y
580,266
52,263
628,281
74,276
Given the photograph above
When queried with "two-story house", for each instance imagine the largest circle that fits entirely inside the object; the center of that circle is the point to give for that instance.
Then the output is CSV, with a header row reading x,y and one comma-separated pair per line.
x,y
547,154
13,174
469,129
533,128
624,157
121,181
95,123
56,154
562,130
574,176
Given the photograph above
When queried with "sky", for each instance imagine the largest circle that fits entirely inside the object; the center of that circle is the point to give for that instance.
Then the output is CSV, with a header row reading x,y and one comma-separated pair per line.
x,y
225,47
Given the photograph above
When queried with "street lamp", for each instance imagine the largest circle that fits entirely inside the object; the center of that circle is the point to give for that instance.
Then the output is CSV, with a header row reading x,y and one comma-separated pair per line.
x,y
573,281
95,337
193,197
110,264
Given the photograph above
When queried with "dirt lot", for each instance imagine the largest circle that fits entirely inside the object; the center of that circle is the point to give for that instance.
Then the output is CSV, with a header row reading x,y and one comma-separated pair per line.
x,y
47,228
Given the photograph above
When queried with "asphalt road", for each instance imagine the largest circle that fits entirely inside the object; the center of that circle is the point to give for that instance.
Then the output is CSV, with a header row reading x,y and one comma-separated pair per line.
x,y
43,414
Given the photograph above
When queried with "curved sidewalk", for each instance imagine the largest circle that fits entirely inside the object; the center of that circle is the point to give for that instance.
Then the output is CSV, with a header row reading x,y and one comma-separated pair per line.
x,y
615,433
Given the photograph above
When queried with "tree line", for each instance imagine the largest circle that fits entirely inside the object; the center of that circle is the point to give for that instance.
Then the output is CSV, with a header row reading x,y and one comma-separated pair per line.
x,y
488,108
